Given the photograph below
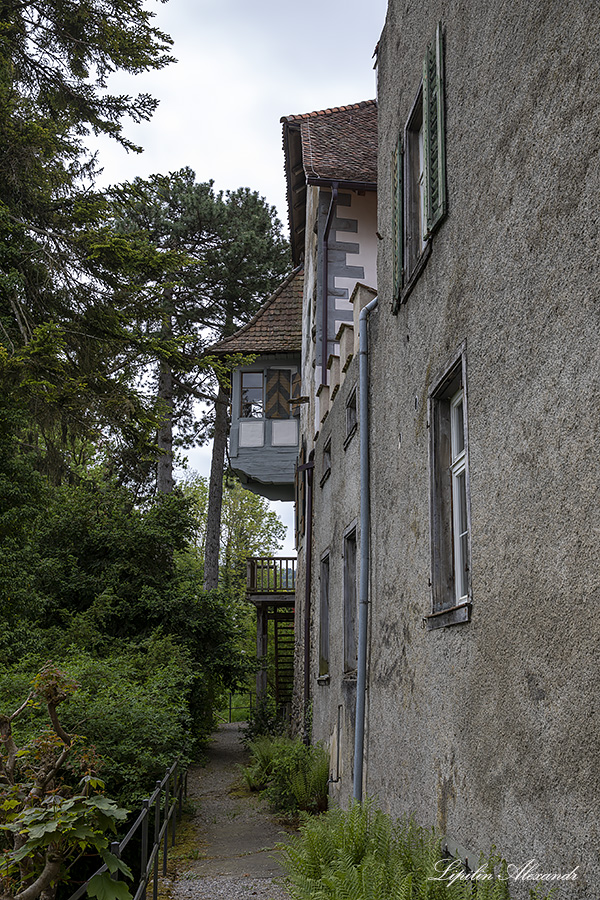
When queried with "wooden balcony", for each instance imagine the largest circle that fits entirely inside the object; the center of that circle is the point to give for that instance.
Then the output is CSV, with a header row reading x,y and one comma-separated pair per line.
x,y
269,577
271,586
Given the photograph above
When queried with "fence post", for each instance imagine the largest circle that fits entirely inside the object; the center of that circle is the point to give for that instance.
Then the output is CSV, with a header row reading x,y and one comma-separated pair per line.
x,y
115,849
156,840
175,785
144,851
166,839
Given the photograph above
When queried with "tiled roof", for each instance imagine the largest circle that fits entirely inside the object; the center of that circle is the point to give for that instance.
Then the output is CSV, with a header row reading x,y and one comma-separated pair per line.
x,y
337,144
276,327
340,143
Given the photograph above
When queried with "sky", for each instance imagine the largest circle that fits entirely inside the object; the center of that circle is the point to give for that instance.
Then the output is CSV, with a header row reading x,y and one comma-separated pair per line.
x,y
242,65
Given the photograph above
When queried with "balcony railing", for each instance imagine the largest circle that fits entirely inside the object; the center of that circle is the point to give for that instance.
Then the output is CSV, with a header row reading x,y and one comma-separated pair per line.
x,y
271,574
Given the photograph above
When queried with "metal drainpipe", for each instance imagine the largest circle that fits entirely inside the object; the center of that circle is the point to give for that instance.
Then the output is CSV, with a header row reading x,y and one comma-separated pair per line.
x,y
365,524
325,274
308,468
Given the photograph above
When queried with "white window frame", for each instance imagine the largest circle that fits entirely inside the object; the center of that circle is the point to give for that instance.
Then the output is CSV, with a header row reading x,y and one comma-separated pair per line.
x,y
415,215
246,372
460,524
450,516
350,600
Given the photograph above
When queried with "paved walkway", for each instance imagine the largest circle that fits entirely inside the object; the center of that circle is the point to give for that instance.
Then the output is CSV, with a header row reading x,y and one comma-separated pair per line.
x,y
231,850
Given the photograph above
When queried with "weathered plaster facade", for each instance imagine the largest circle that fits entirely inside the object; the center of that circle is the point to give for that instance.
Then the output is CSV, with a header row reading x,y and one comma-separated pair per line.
x,y
489,729
486,729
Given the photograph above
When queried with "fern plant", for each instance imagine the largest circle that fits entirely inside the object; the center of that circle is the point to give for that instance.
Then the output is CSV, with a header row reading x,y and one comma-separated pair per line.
x,y
361,854
293,776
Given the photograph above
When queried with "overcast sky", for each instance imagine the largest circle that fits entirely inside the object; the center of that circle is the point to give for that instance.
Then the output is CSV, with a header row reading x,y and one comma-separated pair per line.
x,y
242,65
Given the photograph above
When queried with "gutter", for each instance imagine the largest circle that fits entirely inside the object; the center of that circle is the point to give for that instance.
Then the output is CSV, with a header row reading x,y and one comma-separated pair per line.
x,y
365,527
324,279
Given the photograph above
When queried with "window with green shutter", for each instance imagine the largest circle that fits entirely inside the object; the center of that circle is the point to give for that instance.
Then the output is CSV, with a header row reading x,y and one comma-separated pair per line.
x,y
433,132
419,201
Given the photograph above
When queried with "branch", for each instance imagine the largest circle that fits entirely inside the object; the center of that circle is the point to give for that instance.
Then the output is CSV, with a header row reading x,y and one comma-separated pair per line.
x,y
60,731
11,748
42,780
23,706
49,874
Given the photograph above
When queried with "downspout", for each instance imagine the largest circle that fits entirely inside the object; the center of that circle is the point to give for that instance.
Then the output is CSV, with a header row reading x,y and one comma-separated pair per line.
x,y
365,525
308,468
324,278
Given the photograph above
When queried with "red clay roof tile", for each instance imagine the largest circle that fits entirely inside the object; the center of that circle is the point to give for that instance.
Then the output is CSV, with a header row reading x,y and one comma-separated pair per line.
x,y
276,327
339,143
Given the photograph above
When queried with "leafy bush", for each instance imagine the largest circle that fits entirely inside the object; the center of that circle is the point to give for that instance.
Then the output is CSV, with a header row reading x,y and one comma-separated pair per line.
x,y
51,812
132,706
263,751
265,719
363,854
294,777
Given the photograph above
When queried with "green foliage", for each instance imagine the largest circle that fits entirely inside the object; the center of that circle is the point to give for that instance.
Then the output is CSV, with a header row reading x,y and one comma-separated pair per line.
x,y
63,342
134,709
67,827
248,528
362,854
263,751
228,255
109,590
50,818
265,720
294,776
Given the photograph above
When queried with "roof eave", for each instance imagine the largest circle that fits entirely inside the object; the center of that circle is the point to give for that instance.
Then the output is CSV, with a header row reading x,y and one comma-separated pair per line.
x,y
318,181
296,188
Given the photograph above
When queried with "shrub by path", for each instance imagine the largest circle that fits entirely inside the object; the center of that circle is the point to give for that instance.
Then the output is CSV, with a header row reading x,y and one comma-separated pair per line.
x,y
228,848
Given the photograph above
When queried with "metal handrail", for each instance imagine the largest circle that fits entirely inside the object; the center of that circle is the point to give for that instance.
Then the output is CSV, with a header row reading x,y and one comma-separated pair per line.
x,y
271,574
172,809
231,708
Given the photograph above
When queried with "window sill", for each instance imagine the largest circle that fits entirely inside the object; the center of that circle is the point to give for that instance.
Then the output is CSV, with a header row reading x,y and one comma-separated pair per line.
x,y
414,277
454,615
349,677
323,679
325,476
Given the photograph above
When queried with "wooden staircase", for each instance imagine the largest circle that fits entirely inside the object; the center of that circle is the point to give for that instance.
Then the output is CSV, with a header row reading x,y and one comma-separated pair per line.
x,y
284,655
271,585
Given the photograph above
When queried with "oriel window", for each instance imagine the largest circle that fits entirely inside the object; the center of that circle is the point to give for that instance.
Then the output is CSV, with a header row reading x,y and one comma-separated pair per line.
x,y
252,400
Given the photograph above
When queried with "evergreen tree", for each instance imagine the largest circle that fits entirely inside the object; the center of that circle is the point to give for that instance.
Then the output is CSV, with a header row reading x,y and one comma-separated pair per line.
x,y
60,265
231,254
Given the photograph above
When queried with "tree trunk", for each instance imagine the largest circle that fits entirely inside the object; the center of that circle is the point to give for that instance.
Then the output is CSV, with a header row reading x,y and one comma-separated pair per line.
x,y
164,470
215,491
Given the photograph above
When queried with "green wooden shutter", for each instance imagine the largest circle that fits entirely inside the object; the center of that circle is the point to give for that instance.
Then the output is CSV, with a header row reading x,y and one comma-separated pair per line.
x,y
433,132
277,401
397,220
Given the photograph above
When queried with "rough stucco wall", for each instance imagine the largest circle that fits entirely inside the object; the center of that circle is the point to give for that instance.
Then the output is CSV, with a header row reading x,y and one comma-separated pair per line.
x,y
308,427
490,729
336,509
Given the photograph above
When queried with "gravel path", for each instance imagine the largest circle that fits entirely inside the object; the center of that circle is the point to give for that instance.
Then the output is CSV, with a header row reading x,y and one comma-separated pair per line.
x,y
233,834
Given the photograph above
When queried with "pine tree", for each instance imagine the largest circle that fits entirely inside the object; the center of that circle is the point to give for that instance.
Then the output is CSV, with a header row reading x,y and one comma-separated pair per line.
x,y
59,263
231,254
